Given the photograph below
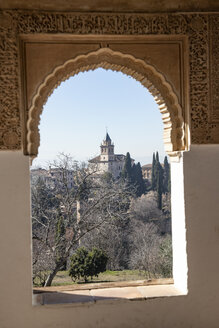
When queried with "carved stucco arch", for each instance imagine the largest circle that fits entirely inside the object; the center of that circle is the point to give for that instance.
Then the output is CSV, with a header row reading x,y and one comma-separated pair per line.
x,y
147,75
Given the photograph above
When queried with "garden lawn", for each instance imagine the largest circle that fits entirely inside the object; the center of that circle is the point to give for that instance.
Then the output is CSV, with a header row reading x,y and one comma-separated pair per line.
x,y
62,278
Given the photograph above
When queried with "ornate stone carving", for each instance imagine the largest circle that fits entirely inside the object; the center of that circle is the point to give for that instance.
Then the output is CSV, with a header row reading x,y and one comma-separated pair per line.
x,y
198,59
10,130
138,69
195,26
214,67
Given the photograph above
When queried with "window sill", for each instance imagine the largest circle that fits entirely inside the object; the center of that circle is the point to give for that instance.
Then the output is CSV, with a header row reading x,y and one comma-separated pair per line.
x,y
94,294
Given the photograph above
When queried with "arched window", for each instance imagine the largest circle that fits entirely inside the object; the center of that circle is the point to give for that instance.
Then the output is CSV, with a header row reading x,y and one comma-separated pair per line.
x,y
173,130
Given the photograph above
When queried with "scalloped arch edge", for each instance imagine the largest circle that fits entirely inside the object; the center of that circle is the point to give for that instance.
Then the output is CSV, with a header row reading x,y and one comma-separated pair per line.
x,y
174,134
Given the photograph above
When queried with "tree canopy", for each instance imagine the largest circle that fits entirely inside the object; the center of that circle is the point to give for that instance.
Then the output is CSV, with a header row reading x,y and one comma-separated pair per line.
x,y
132,174
86,263
72,205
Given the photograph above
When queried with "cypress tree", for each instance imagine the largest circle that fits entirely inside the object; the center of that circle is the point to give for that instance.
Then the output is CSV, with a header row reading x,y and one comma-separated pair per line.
x,y
127,173
139,181
159,187
157,176
153,175
157,157
155,171
166,178
134,173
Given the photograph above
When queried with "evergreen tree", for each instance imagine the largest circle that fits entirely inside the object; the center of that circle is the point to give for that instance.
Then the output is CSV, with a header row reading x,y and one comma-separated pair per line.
x,y
166,178
139,181
127,172
86,264
153,175
157,179
159,187
155,169
134,174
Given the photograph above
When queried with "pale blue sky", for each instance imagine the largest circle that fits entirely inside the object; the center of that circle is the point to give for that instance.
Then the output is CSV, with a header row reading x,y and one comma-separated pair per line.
x,y
76,115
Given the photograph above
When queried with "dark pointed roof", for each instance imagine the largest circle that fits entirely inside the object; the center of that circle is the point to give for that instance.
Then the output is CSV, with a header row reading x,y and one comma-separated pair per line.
x,y
107,137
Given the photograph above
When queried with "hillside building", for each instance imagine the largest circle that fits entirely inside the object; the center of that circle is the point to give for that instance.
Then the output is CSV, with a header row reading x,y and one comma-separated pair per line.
x,y
147,171
107,161
51,177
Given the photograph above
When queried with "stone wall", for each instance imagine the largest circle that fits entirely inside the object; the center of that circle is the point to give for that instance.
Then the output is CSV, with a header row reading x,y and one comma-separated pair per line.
x,y
201,30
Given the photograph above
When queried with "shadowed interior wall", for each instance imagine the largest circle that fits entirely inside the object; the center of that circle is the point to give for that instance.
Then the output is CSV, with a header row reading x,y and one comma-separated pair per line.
x,y
197,309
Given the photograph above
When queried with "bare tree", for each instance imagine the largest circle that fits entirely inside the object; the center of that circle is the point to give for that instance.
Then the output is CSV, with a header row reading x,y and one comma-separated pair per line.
x,y
71,204
42,262
150,251
112,239
145,248
145,208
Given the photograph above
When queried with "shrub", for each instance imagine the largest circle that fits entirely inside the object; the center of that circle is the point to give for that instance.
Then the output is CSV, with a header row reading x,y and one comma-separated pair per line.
x,y
165,259
86,263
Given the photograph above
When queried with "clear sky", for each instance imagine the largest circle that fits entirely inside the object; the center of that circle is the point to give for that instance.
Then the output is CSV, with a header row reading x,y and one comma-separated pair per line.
x,y
76,115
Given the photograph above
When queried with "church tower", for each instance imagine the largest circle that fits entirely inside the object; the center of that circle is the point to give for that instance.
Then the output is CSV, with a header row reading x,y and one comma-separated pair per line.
x,y
107,161
107,150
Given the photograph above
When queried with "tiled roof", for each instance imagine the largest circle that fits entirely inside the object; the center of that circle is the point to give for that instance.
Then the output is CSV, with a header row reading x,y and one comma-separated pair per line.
x,y
146,166
117,158
95,159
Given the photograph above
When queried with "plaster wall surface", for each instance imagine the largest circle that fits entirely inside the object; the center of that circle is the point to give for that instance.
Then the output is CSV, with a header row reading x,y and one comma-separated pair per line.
x,y
180,266
197,309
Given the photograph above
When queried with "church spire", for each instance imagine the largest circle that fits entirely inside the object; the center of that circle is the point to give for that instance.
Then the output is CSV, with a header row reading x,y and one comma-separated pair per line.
x,y
107,139
107,148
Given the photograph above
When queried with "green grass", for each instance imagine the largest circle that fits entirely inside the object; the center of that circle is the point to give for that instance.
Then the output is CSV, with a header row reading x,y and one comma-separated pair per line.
x,y
121,273
62,278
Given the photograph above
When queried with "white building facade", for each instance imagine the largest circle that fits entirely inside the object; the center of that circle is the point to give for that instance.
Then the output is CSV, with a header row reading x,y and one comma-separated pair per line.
x,y
107,161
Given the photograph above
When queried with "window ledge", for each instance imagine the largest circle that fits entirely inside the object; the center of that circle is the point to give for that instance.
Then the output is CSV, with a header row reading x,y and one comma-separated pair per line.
x,y
96,295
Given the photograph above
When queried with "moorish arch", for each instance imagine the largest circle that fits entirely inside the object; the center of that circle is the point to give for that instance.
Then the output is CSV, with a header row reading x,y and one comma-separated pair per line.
x,y
174,135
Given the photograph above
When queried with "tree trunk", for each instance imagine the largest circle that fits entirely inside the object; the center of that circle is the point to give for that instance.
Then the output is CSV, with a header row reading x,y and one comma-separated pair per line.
x,y
78,217
51,276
